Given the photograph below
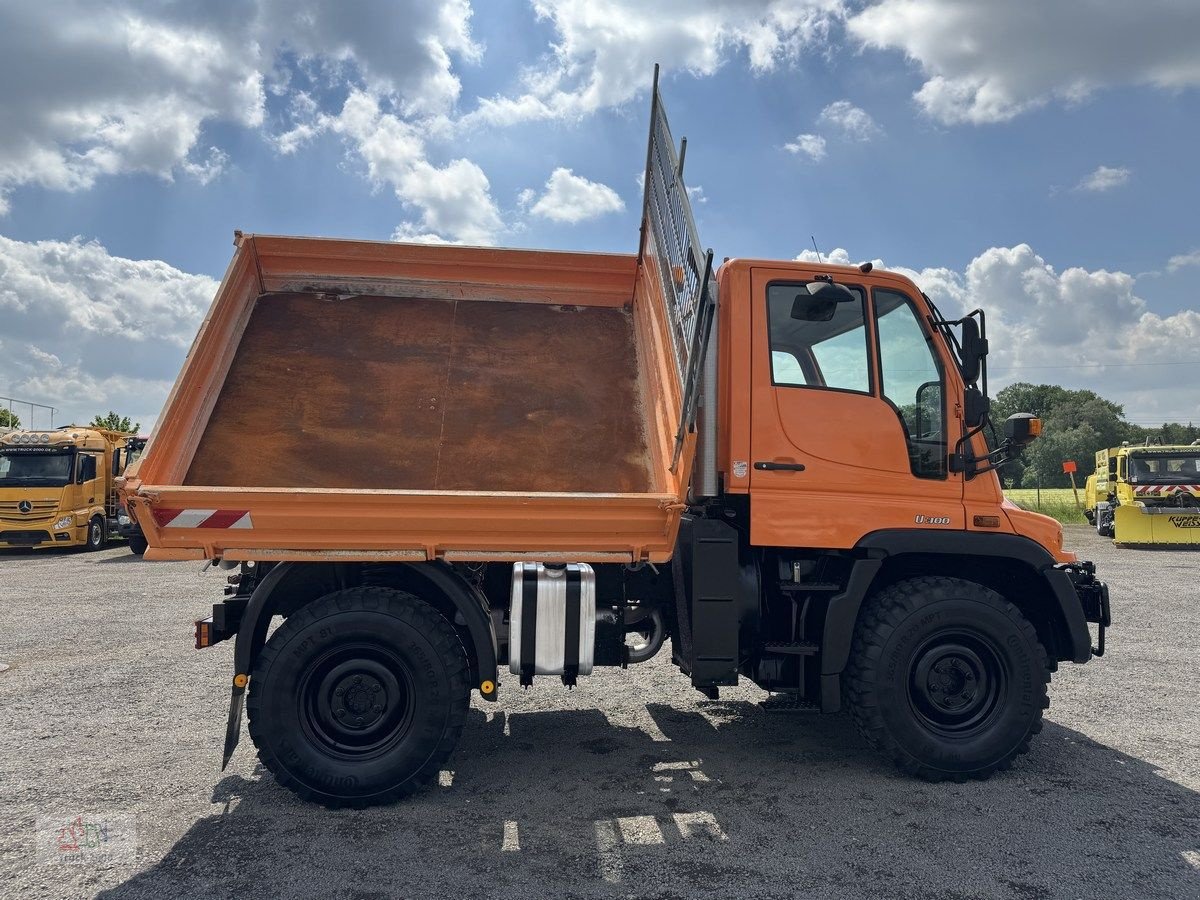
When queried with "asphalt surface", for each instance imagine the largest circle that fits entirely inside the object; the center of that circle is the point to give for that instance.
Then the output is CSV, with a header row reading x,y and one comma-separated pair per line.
x,y
632,785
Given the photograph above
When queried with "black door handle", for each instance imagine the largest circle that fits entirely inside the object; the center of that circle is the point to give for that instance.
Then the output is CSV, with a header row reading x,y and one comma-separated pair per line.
x,y
779,467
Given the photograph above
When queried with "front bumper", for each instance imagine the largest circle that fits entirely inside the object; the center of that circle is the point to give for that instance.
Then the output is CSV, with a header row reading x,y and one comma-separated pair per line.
x,y
26,537
1093,598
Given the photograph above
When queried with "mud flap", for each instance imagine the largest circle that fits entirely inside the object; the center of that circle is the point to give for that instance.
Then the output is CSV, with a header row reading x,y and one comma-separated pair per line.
x,y
233,726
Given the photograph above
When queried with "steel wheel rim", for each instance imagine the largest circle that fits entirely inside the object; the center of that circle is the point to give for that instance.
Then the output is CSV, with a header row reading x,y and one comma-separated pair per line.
x,y
357,702
956,683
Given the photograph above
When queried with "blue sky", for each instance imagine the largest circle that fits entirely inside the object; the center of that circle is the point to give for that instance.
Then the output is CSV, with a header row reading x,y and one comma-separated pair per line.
x,y
1015,156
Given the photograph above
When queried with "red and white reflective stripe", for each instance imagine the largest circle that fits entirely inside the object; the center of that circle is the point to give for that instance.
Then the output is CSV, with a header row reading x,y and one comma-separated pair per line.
x,y
1152,489
203,518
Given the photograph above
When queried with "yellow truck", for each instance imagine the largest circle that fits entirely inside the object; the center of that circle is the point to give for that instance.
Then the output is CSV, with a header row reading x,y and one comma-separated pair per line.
x,y
1141,495
58,487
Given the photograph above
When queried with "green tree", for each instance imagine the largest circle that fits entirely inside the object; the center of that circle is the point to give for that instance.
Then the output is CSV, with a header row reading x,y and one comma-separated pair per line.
x,y
9,419
1075,424
113,422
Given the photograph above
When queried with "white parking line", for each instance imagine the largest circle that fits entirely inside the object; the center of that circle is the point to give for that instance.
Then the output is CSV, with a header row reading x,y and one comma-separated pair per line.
x,y
1191,857
642,830
512,840
607,845
691,768
704,822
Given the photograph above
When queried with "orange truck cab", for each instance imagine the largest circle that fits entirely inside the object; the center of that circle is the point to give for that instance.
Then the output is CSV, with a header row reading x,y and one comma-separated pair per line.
x,y
444,467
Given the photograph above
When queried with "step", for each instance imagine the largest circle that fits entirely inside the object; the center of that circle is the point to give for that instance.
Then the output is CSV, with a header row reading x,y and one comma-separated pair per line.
x,y
797,648
788,703
794,587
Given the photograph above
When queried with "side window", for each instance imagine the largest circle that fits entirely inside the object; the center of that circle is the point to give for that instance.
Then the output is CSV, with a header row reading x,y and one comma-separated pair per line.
x,y
87,467
815,343
911,380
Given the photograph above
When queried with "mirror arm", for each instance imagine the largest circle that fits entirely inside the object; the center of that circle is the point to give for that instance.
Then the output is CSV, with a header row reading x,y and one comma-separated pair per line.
x,y
970,466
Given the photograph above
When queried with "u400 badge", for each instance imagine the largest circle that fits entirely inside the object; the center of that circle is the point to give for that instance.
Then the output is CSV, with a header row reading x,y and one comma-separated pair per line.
x,y
932,520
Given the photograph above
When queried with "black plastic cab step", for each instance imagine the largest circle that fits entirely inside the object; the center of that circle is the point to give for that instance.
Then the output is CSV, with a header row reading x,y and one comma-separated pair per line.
x,y
795,587
798,648
788,703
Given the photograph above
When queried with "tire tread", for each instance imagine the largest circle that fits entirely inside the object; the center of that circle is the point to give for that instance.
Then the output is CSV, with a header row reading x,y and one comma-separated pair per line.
x,y
420,616
881,615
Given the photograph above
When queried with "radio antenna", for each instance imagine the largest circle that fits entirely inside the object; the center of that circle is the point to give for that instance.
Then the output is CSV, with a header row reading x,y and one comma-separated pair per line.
x,y
815,247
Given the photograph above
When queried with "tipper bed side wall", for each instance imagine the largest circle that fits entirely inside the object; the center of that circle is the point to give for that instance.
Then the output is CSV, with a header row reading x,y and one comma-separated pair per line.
x,y
298,522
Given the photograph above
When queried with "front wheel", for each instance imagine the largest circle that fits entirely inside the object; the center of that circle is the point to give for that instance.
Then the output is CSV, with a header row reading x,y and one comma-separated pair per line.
x,y
947,678
359,697
96,537
138,543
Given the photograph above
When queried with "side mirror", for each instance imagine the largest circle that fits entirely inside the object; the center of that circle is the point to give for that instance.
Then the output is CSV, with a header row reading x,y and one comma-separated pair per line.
x,y
975,406
974,349
818,302
1022,428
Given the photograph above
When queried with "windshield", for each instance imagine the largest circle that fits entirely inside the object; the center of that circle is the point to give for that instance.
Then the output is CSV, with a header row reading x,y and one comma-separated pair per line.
x,y
26,469
1180,467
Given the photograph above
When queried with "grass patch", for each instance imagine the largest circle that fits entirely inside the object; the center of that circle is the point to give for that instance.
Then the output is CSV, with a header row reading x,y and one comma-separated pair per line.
x,y
1059,503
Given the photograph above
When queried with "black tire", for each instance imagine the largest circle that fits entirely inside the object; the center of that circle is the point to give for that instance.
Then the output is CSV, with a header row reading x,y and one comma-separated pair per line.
x,y
947,678
97,534
138,543
313,705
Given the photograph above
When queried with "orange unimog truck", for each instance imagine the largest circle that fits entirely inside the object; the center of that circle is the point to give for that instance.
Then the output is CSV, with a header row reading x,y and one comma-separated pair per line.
x,y
445,468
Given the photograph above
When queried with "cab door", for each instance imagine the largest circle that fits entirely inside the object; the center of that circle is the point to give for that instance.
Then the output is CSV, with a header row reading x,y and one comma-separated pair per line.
x,y
89,478
848,417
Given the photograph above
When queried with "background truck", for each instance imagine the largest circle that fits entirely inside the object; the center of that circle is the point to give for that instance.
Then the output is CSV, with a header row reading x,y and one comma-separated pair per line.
x,y
456,462
1146,494
58,487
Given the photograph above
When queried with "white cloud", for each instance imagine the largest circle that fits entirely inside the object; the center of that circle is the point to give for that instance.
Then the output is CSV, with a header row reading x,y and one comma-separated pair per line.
x,y
838,256
604,50
1080,328
454,201
570,198
1105,178
85,331
1175,263
103,89
810,145
988,62
853,122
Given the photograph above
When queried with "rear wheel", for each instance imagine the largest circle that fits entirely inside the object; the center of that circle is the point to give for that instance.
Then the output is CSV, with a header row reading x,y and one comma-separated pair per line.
x,y
138,543
359,697
947,678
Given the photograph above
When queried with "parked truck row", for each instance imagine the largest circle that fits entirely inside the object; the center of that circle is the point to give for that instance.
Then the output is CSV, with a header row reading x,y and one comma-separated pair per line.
x,y
445,469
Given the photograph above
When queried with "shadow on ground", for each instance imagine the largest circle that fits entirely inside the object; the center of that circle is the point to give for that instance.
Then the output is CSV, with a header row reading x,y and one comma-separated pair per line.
x,y
729,800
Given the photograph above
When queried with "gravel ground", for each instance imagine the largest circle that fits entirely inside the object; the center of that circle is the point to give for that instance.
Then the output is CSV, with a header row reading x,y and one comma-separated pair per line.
x,y
632,785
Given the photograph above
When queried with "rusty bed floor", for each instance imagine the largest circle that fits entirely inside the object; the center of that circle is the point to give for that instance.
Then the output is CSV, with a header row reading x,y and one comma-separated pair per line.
x,y
392,393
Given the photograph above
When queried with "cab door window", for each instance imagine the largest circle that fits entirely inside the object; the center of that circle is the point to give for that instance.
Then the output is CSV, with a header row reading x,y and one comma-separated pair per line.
x,y
87,468
815,343
911,381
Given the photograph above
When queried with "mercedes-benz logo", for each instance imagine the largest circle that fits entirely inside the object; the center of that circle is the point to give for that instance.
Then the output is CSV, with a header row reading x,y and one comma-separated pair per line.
x,y
25,506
